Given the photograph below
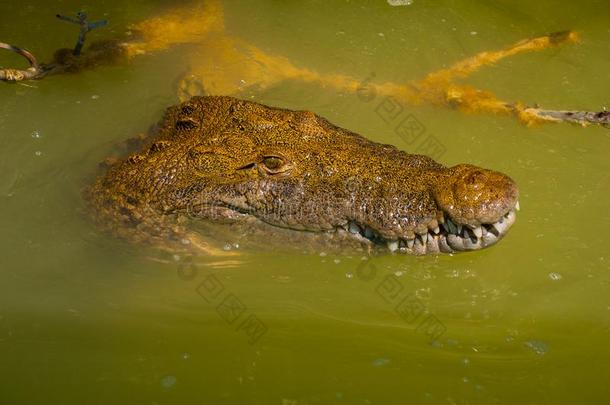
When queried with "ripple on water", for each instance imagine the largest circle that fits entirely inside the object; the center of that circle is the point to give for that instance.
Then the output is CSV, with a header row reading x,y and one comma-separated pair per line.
x,y
396,3
380,362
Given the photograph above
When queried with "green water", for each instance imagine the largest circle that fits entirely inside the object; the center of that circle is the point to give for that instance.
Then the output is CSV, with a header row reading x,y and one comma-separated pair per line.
x,y
88,319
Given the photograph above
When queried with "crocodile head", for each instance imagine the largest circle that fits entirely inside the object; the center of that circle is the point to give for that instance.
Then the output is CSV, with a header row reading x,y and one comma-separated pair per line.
x,y
220,159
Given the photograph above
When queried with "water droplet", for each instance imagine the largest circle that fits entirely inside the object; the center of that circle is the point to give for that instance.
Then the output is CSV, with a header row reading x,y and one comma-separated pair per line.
x,y
36,135
473,33
555,276
185,356
322,254
227,247
337,261
95,97
38,153
349,275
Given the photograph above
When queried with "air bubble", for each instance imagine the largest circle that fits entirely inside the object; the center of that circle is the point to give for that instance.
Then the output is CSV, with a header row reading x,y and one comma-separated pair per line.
x,y
168,381
537,346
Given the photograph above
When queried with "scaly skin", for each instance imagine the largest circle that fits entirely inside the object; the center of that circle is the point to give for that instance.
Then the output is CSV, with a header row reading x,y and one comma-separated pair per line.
x,y
220,159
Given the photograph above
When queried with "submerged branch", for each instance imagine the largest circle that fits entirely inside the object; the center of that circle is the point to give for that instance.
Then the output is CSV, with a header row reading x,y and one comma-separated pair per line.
x,y
583,118
35,71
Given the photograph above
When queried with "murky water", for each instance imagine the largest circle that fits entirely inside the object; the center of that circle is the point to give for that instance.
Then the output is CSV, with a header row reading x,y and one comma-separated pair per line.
x,y
88,319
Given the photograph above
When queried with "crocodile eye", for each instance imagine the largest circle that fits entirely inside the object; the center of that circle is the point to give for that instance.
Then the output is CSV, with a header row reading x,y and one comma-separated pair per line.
x,y
274,164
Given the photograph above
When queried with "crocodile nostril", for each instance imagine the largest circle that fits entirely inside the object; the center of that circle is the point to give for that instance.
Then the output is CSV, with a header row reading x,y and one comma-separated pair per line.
x,y
187,109
477,178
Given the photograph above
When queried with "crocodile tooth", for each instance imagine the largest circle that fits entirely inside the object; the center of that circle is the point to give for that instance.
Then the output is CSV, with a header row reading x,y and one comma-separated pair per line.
x,y
393,245
410,243
517,207
459,229
493,230
469,234
478,231
450,226
354,228
436,230
433,244
455,242
443,245
489,238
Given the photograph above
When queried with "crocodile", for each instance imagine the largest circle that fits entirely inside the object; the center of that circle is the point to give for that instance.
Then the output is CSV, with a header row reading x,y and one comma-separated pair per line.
x,y
230,162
